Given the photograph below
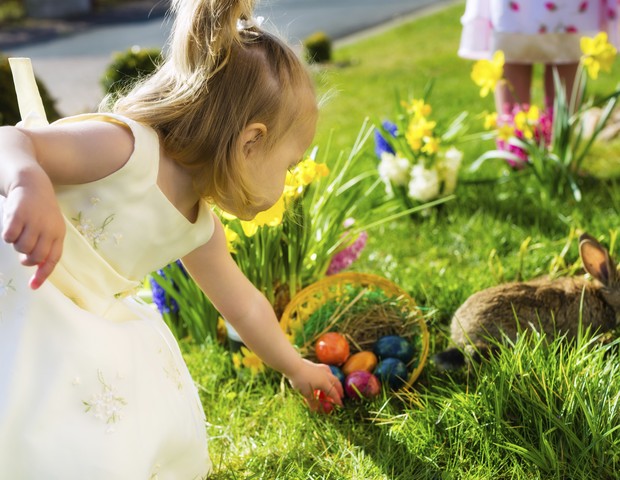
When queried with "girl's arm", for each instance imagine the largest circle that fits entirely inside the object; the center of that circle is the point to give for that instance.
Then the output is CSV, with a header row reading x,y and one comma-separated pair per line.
x,y
32,162
252,316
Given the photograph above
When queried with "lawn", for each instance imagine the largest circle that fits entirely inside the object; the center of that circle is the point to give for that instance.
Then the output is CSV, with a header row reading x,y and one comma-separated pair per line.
x,y
539,409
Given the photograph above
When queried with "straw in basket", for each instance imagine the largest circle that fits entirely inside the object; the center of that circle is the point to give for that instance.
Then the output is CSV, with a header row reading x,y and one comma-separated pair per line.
x,y
361,306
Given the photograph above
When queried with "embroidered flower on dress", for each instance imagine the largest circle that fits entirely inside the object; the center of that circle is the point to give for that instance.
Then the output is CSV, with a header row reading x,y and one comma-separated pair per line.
x,y
107,404
95,235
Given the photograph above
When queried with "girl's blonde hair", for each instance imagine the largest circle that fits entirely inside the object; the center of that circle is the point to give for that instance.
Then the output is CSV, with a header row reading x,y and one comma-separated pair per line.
x,y
221,73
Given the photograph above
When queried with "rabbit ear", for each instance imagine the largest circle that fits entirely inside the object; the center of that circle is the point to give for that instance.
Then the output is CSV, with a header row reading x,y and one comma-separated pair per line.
x,y
596,260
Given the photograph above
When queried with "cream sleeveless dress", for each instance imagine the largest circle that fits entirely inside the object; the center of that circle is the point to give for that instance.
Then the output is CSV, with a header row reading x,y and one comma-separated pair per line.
x,y
92,382
535,31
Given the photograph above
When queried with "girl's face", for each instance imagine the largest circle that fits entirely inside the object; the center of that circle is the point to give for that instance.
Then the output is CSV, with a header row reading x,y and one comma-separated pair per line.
x,y
267,167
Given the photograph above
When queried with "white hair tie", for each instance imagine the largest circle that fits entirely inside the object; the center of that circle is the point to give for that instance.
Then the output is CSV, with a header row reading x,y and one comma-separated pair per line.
x,y
246,24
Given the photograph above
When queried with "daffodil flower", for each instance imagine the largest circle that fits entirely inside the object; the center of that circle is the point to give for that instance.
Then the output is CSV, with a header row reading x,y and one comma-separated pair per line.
x,y
271,217
431,145
248,359
486,73
231,238
418,108
598,54
490,121
417,130
505,132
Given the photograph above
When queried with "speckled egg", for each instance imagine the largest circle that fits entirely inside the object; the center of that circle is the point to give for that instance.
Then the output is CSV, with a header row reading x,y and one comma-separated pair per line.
x,y
392,372
394,346
337,373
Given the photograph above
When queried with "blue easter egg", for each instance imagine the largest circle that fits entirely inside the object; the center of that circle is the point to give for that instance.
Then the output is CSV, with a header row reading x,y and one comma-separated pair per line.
x,y
391,371
394,346
337,373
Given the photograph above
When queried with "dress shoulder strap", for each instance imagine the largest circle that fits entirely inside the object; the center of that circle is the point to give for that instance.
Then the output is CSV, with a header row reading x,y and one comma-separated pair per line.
x,y
28,96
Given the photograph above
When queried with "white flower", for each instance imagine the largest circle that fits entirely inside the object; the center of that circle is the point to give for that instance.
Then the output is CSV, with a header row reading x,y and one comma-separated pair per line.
x,y
394,169
424,184
453,157
450,169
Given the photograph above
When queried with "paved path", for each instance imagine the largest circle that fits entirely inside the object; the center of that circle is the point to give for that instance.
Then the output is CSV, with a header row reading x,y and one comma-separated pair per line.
x,y
71,65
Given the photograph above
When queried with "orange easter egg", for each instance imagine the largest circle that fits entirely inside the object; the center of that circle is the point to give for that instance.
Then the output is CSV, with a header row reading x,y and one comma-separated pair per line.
x,y
360,361
332,348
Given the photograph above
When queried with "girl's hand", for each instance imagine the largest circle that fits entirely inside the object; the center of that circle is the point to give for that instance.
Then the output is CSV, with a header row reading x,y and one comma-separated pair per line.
x,y
34,225
313,376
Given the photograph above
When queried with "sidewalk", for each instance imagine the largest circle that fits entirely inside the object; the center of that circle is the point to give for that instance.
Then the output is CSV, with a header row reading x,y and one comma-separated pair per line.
x,y
34,31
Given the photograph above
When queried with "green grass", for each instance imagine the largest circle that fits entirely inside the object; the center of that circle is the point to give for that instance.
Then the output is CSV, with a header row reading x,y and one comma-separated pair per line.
x,y
540,409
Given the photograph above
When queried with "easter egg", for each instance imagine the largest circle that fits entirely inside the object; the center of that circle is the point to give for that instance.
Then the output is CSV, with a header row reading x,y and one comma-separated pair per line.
x,y
392,372
332,348
337,373
361,384
364,360
394,346
326,403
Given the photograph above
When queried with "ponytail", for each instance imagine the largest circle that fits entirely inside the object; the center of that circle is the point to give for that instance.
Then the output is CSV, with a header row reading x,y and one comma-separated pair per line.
x,y
205,32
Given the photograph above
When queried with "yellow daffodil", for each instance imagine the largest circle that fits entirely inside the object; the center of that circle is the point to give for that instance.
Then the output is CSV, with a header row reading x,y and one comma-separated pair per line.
x,y
305,172
271,217
526,120
533,114
417,130
490,121
249,360
505,132
418,108
598,54
431,145
486,73
231,238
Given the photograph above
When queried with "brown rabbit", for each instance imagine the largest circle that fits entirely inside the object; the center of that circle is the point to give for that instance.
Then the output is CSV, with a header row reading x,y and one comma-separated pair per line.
x,y
551,306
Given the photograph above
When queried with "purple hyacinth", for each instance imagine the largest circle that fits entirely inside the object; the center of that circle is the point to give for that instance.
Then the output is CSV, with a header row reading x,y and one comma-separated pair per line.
x,y
381,144
347,256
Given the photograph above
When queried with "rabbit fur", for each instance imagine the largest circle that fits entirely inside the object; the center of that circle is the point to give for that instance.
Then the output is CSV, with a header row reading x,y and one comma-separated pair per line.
x,y
549,306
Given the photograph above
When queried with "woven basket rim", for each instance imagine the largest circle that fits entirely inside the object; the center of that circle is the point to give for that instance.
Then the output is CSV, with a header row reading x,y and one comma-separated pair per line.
x,y
323,285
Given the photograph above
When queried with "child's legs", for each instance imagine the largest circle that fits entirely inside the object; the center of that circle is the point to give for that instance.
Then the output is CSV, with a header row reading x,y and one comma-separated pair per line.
x,y
567,73
515,90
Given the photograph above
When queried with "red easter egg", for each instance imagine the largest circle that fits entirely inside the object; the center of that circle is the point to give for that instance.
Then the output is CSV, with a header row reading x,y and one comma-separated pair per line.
x,y
326,403
332,348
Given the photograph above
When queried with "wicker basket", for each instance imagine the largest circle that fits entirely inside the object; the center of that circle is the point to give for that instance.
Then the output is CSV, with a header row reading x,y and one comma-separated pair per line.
x,y
396,313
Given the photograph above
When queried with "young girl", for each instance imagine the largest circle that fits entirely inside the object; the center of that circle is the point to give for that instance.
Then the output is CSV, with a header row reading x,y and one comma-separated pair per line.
x,y
534,31
92,383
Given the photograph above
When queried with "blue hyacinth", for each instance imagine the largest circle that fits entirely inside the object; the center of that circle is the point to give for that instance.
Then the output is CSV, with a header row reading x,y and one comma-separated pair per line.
x,y
165,304
381,144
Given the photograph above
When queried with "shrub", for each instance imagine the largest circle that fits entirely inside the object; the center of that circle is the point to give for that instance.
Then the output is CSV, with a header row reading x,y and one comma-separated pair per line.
x,y
318,48
129,66
9,109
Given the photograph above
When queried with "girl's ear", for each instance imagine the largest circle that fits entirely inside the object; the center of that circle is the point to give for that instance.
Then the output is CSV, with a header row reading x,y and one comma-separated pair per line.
x,y
252,137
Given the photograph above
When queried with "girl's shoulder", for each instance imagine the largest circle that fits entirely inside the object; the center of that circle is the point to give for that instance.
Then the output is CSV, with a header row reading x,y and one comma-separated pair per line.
x,y
142,156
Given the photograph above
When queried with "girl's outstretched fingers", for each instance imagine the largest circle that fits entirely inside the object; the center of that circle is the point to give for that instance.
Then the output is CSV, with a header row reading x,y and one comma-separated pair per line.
x,y
45,268
326,391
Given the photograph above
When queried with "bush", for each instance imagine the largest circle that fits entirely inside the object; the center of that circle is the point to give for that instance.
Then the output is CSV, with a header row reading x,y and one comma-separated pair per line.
x,y
9,109
318,48
127,67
